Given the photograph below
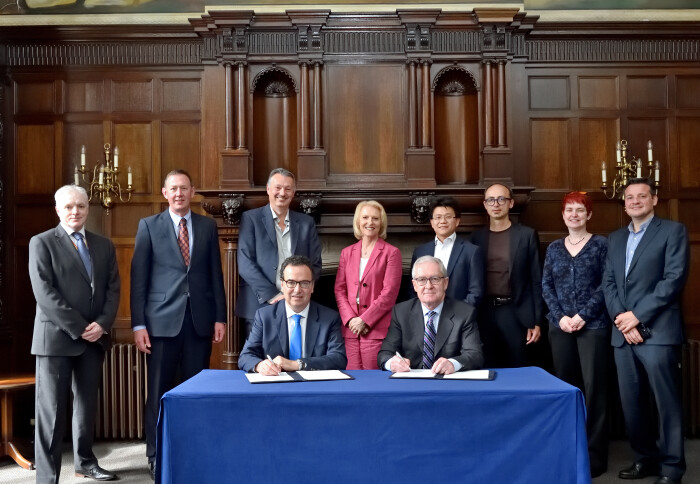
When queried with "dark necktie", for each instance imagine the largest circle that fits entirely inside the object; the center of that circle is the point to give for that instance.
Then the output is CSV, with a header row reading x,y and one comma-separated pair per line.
x,y
295,340
183,240
429,342
83,252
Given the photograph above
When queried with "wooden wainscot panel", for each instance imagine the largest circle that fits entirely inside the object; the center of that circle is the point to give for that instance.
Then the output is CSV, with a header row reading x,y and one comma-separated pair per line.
x,y
77,135
550,143
688,142
135,150
180,149
181,95
84,97
549,92
124,219
31,220
132,96
647,92
598,92
34,150
596,143
35,97
687,88
365,119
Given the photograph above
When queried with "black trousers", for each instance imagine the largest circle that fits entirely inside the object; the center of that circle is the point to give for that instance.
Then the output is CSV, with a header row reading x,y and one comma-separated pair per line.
x,y
56,378
172,361
583,359
503,337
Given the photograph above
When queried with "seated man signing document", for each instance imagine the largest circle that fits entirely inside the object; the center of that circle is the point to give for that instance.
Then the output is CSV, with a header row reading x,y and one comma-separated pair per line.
x,y
431,332
296,333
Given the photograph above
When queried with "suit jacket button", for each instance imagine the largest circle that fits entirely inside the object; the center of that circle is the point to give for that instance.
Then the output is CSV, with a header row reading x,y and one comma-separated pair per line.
x,y
364,306
364,284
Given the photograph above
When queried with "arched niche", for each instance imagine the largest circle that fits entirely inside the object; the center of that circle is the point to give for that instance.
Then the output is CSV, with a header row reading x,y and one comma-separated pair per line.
x,y
274,123
456,127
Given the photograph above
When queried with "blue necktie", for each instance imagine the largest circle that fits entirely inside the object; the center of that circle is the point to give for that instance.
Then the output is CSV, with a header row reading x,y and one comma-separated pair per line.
x,y
295,340
83,252
429,342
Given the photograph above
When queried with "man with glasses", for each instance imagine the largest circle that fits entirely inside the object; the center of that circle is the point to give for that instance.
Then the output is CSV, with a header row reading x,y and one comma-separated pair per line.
x,y
512,309
463,260
294,333
431,332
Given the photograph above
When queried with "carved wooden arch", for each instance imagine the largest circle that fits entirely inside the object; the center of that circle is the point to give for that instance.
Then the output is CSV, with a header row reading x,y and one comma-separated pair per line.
x,y
282,83
453,85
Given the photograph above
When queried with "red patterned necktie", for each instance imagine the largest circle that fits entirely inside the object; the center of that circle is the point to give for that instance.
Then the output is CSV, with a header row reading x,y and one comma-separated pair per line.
x,y
183,240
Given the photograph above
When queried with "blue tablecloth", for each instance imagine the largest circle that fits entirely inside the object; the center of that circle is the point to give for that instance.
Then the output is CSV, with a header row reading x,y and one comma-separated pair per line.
x,y
525,426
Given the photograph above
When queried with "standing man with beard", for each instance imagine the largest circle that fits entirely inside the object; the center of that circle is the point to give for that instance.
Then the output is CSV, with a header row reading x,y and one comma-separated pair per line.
x,y
512,309
178,304
267,236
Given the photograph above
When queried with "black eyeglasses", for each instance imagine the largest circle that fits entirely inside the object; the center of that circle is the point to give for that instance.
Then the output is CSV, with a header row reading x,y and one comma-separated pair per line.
x,y
446,218
434,280
491,201
291,283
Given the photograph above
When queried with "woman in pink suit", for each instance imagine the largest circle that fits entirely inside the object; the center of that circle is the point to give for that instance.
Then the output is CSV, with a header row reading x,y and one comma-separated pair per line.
x,y
366,286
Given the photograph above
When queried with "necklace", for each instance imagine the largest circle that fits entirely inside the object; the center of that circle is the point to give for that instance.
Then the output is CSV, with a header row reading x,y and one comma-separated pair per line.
x,y
579,240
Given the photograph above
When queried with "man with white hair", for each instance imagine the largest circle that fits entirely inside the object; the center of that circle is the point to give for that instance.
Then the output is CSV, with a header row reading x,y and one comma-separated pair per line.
x,y
75,280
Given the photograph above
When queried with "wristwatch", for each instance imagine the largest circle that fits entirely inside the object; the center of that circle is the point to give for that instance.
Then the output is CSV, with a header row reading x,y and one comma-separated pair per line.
x,y
301,364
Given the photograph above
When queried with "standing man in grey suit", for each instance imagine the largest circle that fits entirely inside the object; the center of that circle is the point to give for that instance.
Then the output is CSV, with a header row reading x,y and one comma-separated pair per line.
x,y
645,271
431,332
511,311
268,235
178,305
463,260
75,281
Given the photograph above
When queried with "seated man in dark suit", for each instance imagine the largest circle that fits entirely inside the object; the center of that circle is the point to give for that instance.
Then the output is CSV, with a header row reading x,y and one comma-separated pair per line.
x,y
296,333
431,331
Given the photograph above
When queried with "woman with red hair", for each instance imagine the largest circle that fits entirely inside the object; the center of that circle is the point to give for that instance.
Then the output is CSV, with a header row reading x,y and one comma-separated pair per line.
x,y
579,328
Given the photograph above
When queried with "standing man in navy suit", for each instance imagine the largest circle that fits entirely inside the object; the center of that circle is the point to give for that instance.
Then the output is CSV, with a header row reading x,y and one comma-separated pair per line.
x,y
267,236
75,280
178,304
296,333
464,260
511,311
645,271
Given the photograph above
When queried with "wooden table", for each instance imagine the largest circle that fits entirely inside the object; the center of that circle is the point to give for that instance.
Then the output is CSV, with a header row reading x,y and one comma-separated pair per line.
x,y
7,386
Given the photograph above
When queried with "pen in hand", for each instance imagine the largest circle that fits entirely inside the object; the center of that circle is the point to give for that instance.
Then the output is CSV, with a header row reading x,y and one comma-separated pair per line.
x,y
273,363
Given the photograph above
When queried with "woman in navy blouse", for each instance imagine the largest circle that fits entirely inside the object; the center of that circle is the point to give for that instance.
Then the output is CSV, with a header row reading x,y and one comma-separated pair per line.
x,y
579,328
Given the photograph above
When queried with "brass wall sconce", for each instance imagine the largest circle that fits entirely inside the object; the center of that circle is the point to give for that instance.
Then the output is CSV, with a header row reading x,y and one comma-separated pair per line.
x,y
105,186
628,168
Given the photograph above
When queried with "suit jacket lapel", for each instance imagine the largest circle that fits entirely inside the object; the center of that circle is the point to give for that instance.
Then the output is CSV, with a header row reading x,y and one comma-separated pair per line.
x,y
454,256
355,254
444,327
378,248
514,243
269,224
66,243
198,237
167,233
312,328
417,322
281,318
649,234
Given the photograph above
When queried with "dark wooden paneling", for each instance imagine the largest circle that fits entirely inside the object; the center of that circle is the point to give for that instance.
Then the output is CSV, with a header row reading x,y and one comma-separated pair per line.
x,y
688,142
84,96
687,88
130,96
549,92
549,141
181,95
275,141
598,92
76,135
35,97
180,149
369,137
35,158
596,143
124,222
647,92
135,150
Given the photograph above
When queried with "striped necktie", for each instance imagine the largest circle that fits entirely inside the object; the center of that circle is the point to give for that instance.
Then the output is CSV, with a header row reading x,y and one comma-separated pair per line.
x,y
183,240
429,342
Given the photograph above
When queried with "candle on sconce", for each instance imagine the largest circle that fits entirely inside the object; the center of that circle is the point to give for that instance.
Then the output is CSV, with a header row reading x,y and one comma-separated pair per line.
x,y
116,157
650,155
102,175
605,174
639,168
129,177
82,155
75,176
656,172
618,147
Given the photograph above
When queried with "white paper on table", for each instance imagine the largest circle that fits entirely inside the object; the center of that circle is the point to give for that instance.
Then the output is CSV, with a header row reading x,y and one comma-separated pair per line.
x,y
420,373
323,375
468,375
258,378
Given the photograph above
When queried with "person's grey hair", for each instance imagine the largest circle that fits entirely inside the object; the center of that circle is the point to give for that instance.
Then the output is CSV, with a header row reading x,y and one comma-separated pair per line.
x,y
281,171
428,258
65,189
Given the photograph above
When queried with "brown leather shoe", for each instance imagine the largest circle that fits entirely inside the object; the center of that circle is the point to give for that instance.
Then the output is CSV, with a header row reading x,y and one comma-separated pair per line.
x,y
97,473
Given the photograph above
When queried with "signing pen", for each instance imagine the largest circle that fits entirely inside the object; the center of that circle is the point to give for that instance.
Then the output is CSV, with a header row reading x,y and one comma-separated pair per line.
x,y
268,357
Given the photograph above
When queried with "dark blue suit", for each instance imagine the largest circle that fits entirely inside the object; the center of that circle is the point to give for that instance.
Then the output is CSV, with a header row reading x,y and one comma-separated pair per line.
x,y
651,290
465,270
257,256
324,348
178,304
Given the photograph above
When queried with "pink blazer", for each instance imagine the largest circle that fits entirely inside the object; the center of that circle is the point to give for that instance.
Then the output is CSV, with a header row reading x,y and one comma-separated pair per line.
x,y
378,288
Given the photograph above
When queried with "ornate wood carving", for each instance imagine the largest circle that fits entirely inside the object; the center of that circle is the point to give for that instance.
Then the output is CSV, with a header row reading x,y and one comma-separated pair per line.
x,y
420,206
613,50
232,208
310,204
452,81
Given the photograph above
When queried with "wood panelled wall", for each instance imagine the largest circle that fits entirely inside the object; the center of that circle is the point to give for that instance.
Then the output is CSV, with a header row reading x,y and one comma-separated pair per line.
x,y
394,106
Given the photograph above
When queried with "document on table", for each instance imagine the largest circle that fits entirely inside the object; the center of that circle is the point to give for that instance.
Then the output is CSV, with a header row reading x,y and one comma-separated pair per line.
x,y
459,375
320,375
258,378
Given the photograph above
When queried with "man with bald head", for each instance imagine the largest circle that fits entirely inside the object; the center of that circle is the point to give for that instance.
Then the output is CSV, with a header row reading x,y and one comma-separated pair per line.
x,y
76,285
512,309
